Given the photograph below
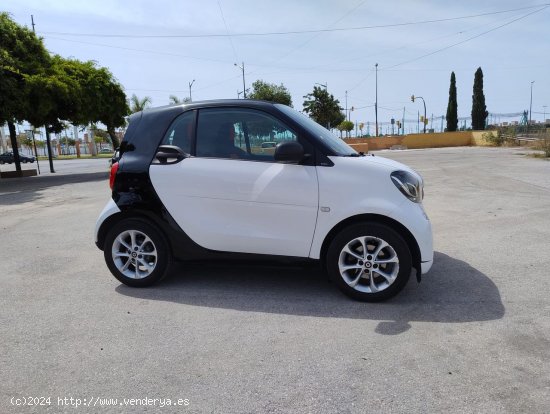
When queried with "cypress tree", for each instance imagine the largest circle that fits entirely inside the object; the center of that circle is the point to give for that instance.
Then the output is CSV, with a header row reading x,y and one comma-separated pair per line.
x,y
452,106
479,110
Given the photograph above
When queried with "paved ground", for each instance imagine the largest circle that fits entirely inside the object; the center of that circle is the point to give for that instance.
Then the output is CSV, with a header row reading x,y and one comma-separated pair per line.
x,y
83,165
474,336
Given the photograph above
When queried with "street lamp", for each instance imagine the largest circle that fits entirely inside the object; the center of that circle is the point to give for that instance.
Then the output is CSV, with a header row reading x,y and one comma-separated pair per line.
x,y
376,100
419,97
346,113
530,105
190,85
244,84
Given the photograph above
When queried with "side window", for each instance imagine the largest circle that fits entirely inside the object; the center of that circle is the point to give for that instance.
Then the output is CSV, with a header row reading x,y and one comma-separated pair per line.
x,y
180,132
240,134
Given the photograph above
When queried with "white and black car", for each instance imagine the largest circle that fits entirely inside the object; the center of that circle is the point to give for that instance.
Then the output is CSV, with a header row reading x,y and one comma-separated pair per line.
x,y
195,181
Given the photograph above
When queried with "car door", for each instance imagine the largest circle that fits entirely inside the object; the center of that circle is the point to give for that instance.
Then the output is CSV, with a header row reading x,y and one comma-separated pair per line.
x,y
233,196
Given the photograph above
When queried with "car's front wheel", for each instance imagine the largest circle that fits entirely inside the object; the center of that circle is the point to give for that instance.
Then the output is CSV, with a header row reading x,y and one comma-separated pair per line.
x,y
136,253
369,261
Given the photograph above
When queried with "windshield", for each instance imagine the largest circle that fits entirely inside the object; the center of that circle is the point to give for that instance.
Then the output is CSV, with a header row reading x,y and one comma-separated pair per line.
x,y
338,146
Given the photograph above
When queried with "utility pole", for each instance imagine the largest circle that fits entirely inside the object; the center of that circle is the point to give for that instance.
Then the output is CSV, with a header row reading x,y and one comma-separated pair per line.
x,y
544,116
190,85
403,126
376,99
530,106
244,83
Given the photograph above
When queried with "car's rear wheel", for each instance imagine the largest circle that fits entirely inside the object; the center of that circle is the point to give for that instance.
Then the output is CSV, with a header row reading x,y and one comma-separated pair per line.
x,y
136,253
369,261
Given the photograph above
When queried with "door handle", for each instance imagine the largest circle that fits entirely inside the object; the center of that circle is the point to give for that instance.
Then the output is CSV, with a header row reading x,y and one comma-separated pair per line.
x,y
169,154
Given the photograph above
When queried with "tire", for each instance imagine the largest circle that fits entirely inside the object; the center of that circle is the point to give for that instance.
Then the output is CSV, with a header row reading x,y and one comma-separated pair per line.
x,y
125,251
352,270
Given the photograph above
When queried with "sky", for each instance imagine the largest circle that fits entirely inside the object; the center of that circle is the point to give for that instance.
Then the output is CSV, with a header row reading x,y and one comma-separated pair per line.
x,y
156,48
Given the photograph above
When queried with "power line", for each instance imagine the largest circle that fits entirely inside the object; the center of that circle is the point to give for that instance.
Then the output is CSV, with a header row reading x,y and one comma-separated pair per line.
x,y
450,46
290,32
227,31
467,40
301,45
156,52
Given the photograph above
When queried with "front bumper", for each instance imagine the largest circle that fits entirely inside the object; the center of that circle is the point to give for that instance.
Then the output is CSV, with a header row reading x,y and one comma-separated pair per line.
x,y
417,222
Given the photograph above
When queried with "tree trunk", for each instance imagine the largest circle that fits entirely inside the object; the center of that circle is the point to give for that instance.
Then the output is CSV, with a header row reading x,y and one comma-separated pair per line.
x,y
2,139
49,145
114,138
13,139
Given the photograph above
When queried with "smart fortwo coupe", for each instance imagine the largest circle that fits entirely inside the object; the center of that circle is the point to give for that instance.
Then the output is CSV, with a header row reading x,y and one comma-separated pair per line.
x,y
197,181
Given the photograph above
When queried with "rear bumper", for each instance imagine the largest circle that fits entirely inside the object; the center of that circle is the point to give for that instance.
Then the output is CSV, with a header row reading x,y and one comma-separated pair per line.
x,y
110,209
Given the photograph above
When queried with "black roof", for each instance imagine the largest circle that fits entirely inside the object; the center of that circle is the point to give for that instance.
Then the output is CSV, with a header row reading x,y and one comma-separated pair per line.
x,y
250,103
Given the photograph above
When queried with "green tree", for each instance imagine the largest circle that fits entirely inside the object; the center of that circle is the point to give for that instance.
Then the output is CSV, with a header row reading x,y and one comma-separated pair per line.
x,y
345,126
111,103
270,92
137,104
452,106
100,97
174,100
21,54
479,109
323,108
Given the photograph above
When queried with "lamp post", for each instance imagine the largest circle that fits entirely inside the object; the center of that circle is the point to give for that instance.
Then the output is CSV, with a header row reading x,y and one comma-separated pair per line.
x,y
244,84
346,113
419,97
376,100
530,105
190,85
323,85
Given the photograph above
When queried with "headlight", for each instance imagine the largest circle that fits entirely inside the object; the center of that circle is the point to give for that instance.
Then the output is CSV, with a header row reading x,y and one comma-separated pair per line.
x,y
409,184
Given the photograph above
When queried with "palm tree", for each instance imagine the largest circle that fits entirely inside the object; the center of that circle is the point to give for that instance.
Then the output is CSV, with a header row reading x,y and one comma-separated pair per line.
x,y
174,100
137,104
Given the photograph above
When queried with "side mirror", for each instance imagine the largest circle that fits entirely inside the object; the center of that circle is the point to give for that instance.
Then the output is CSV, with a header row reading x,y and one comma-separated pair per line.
x,y
169,154
289,151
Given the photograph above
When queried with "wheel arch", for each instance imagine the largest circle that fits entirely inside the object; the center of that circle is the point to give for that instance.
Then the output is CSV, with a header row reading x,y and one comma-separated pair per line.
x,y
113,219
377,218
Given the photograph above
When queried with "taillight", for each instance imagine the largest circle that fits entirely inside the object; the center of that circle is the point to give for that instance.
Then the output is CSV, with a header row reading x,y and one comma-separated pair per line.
x,y
114,169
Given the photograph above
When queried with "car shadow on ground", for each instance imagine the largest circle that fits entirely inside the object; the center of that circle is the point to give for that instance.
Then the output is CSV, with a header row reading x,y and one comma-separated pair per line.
x,y
453,292
22,190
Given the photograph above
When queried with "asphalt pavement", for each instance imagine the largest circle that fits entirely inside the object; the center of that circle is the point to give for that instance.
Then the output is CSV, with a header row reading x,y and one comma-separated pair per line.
x,y
473,337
